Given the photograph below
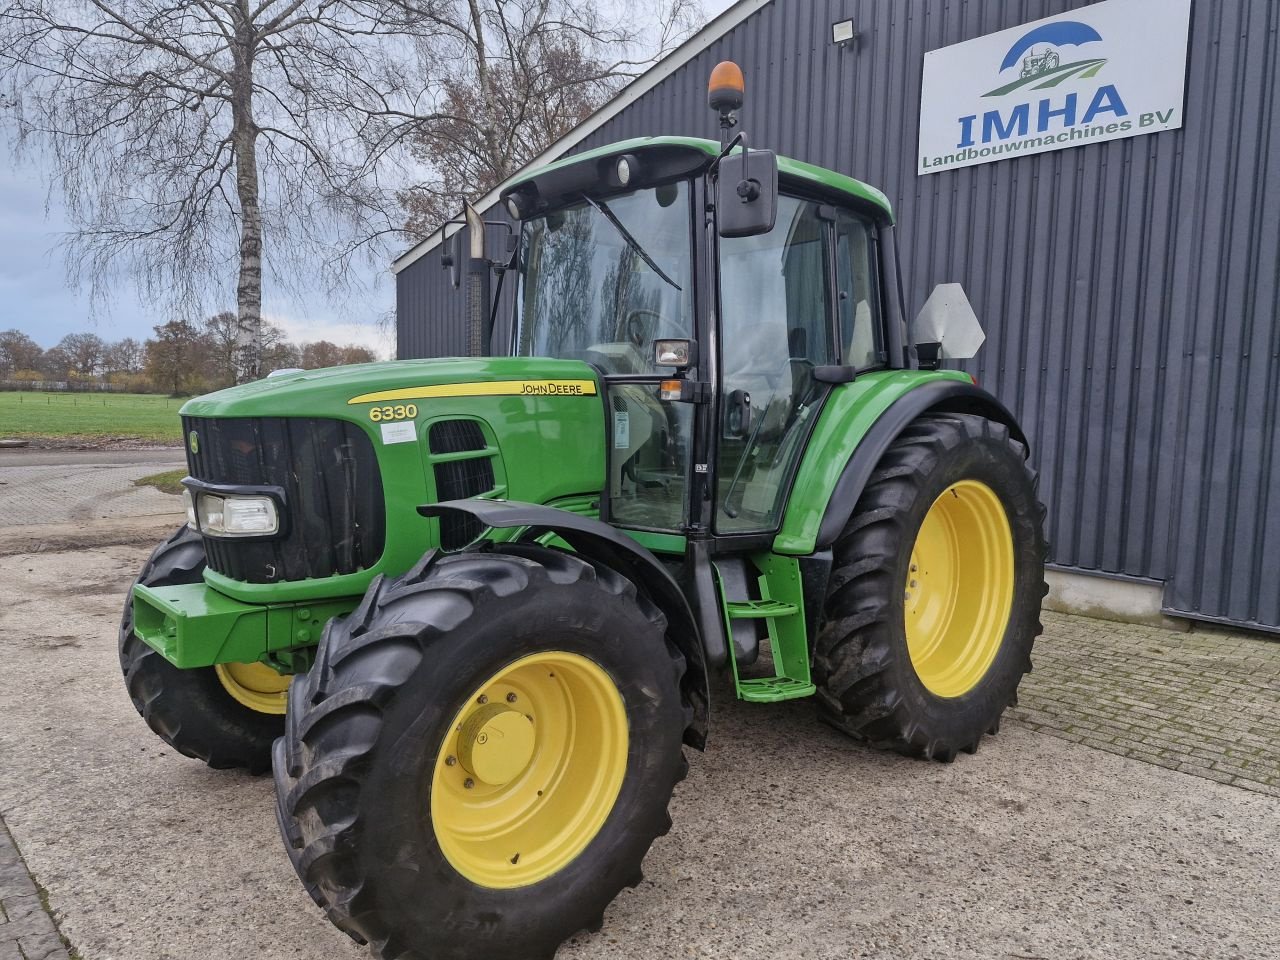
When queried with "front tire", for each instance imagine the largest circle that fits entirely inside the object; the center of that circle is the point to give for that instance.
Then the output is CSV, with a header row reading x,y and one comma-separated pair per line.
x,y
229,715
482,754
934,599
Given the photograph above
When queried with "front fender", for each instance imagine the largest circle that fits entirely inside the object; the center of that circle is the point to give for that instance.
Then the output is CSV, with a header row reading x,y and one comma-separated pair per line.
x,y
609,546
857,424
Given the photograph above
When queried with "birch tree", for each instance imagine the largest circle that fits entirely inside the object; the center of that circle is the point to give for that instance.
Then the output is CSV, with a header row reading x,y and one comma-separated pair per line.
x,y
198,143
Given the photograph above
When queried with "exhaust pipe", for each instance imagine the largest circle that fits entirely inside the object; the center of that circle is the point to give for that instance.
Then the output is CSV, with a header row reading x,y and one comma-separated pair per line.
x,y
479,313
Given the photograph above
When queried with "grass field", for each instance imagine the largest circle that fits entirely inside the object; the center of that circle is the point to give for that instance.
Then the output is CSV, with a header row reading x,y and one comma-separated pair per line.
x,y
168,482
145,416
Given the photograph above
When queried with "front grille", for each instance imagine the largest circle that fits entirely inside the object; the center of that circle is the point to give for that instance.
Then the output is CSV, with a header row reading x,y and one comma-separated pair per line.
x,y
336,519
459,479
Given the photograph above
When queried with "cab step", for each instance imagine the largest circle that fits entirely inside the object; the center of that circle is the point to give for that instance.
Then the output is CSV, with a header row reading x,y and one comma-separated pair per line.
x,y
774,689
780,612
759,609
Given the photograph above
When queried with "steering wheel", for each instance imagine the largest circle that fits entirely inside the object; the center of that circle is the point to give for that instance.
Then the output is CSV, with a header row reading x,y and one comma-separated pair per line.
x,y
640,325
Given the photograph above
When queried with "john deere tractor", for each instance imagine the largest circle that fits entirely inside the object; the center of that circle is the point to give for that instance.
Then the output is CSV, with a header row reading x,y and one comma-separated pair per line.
x,y
712,451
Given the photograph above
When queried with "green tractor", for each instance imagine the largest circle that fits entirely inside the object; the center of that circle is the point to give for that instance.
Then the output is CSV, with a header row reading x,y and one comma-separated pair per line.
x,y
502,586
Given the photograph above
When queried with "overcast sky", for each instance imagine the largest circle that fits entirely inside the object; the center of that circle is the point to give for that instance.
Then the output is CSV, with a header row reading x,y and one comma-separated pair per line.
x,y
35,297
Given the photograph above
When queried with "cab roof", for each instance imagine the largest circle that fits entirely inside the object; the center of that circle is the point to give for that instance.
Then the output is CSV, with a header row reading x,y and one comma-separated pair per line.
x,y
796,171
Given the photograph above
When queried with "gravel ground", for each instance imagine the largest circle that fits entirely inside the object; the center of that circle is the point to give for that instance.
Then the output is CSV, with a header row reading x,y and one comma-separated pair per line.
x,y
789,840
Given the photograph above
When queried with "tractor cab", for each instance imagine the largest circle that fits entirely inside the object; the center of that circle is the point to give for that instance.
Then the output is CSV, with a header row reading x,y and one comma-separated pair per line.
x,y
716,347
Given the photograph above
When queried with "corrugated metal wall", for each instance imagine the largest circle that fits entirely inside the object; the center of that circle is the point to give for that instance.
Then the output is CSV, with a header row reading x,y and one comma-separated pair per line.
x,y
1130,290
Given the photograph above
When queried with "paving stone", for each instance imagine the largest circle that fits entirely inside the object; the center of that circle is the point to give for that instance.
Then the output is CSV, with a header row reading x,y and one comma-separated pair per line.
x,y
43,946
1205,703
27,931
15,908
79,493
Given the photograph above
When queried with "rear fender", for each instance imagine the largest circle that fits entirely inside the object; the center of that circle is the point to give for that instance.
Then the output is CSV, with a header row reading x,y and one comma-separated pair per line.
x,y
604,544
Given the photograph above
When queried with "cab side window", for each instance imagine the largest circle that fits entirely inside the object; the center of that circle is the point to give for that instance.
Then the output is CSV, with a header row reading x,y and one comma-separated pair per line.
x,y
858,294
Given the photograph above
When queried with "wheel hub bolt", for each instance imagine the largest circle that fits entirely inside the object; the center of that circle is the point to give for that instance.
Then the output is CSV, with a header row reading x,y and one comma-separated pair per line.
x,y
468,783
449,761
511,698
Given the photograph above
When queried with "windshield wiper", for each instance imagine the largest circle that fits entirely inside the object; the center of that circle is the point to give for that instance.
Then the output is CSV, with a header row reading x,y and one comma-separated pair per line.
x,y
632,242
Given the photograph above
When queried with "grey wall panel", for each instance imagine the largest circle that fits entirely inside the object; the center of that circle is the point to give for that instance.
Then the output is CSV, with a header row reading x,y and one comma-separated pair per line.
x,y
1130,290
438,310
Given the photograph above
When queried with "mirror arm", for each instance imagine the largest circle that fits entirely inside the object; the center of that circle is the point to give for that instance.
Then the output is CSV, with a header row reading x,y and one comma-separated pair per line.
x,y
739,141
745,189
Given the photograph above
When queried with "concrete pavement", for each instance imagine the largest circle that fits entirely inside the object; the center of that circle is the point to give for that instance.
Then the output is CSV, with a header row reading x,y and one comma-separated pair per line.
x,y
789,840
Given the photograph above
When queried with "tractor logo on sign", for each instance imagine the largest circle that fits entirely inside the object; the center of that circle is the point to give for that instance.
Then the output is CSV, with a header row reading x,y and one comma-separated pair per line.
x,y
1105,71
1043,69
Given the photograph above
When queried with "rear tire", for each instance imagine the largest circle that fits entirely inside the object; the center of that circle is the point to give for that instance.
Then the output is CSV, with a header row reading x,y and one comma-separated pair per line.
x,y
896,662
190,710
372,774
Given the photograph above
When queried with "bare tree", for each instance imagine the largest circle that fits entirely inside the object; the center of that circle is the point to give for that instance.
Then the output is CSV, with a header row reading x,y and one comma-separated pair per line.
x,y
281,356
54,364
17,352
320,353
353,353
123,356
518,75
227,351
195,142
222,332
174,357
85,351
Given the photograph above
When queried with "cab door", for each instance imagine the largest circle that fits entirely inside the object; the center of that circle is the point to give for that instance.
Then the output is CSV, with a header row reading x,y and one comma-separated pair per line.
x,y
777,323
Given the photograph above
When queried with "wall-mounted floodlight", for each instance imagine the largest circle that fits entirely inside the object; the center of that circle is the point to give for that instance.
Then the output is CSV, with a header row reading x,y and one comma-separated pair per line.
x,y
842,33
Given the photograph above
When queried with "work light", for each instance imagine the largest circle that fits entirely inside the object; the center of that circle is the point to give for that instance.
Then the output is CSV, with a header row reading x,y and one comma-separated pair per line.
x,y
627,169
674,353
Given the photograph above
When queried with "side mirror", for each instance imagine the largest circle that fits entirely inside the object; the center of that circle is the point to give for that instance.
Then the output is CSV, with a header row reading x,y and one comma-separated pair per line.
x,y
747,193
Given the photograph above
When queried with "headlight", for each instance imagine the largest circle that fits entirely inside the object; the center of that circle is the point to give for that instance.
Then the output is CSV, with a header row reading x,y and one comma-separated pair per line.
x,y
237,516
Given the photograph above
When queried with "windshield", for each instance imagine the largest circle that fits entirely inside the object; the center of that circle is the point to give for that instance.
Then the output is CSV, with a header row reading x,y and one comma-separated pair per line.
x,y
602,280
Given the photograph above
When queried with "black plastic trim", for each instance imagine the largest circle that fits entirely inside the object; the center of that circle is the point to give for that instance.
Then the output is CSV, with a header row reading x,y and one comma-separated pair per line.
x,y
832,373
897,330
950,396
701,584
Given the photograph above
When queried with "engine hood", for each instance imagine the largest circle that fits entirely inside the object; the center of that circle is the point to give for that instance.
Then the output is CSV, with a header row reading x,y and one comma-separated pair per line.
x,y
325,392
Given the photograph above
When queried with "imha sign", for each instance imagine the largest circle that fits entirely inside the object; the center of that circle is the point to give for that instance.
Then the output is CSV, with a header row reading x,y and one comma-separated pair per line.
x,y
1111,70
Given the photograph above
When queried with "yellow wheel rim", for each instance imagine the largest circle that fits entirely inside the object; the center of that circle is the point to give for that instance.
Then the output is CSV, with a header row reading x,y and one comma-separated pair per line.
x,y
959,588
255,685
529,770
